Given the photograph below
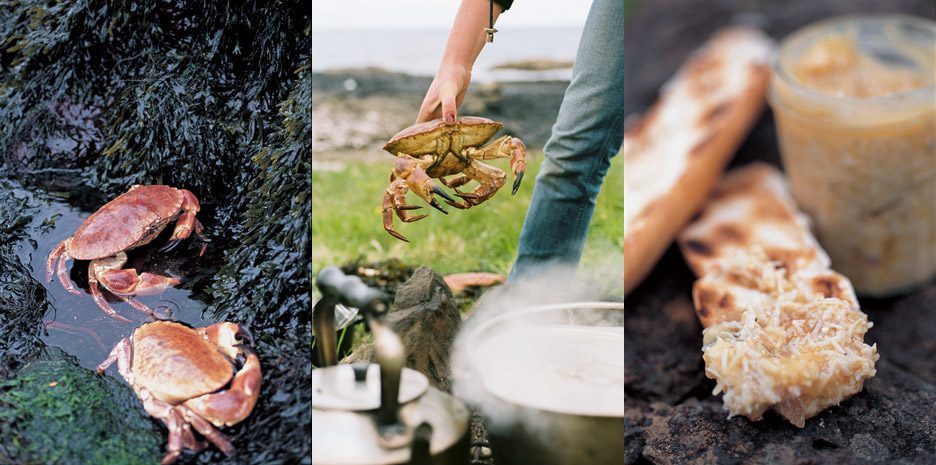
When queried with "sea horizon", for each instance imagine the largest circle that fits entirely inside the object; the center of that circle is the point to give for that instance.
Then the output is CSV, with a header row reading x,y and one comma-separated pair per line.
x,y
418,52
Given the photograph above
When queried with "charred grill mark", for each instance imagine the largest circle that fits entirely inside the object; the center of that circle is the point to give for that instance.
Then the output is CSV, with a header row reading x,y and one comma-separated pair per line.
x,y
828,286
700,248
730,234
704,75
714,114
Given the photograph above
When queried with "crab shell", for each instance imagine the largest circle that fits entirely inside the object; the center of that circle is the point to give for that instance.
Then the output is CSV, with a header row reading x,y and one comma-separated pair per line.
x,y
176,364
437,138
132,219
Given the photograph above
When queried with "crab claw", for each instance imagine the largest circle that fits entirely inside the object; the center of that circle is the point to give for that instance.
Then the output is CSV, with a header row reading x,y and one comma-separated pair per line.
x,y
421,184
169,245
517,162
516,184
232,406
435,203
438,190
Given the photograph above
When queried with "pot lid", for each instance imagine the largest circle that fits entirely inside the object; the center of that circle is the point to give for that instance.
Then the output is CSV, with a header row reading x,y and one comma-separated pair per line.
x,y
575,370
357,387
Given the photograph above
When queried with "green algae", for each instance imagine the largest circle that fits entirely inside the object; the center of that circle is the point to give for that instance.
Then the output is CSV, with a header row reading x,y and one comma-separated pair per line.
x,y
56,412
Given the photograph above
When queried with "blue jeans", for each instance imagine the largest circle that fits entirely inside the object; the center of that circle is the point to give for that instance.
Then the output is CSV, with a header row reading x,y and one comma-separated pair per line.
x,y
588,132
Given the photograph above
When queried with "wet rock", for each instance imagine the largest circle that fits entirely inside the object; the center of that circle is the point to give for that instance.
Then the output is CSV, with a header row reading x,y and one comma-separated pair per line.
x,y
425,316
890,421
56,412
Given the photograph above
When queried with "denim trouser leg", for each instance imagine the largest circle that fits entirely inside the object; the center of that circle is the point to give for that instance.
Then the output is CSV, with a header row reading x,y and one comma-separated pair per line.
x,y
588,132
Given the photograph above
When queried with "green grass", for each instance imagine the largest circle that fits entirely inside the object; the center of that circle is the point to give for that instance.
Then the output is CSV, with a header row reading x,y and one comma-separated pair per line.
x,y
346,225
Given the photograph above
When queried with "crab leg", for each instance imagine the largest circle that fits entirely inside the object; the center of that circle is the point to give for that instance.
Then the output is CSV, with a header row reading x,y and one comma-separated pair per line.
x,y
394,200
233,405
99,298
490,178
61,254
504,146
53,255
120,354
186,223
124,283
216,437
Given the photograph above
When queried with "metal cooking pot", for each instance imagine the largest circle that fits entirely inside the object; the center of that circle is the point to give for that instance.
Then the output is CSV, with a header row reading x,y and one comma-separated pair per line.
x,y
549,381
377,413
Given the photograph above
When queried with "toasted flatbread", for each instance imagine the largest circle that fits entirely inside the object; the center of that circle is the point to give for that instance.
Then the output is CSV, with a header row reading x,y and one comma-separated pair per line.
x,y
675,153
753,208
783,331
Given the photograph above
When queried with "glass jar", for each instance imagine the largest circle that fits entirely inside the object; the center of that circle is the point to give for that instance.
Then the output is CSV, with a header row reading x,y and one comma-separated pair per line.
x,y
854,100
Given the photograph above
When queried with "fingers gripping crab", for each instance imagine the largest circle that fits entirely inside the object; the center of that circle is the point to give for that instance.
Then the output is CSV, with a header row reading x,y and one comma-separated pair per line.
x,y
131,220
434,150
185,377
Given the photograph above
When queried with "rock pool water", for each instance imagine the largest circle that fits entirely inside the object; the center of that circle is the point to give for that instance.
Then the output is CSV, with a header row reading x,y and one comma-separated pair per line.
x,y
75,323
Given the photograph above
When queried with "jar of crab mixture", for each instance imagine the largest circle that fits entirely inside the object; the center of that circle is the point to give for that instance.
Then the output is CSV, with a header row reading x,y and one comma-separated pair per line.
x,y
854,99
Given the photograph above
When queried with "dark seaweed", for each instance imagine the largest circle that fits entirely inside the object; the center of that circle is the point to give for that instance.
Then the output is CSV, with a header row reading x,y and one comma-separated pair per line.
x,y
214,97
22,298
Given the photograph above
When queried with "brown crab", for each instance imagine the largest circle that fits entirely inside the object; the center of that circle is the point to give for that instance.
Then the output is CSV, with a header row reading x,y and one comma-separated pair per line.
x,y
435,149
131,220
185,377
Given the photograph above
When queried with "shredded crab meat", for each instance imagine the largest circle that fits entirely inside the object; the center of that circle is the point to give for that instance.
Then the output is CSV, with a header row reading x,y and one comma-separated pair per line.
x,y
795,352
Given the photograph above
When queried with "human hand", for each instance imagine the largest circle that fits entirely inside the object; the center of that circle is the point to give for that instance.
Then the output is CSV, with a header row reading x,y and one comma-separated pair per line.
x,y
445,94
465,41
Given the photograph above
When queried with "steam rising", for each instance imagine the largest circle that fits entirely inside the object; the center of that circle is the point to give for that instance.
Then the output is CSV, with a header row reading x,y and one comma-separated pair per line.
x,y
534,349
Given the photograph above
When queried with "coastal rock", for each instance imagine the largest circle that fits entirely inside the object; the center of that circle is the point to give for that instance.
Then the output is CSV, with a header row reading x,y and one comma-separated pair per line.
x,y
54,411
54,140
905,331
425,316
355,111
890,421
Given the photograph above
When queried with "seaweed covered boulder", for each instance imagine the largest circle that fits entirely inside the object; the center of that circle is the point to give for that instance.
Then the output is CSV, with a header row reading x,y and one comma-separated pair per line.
x,y
55,412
